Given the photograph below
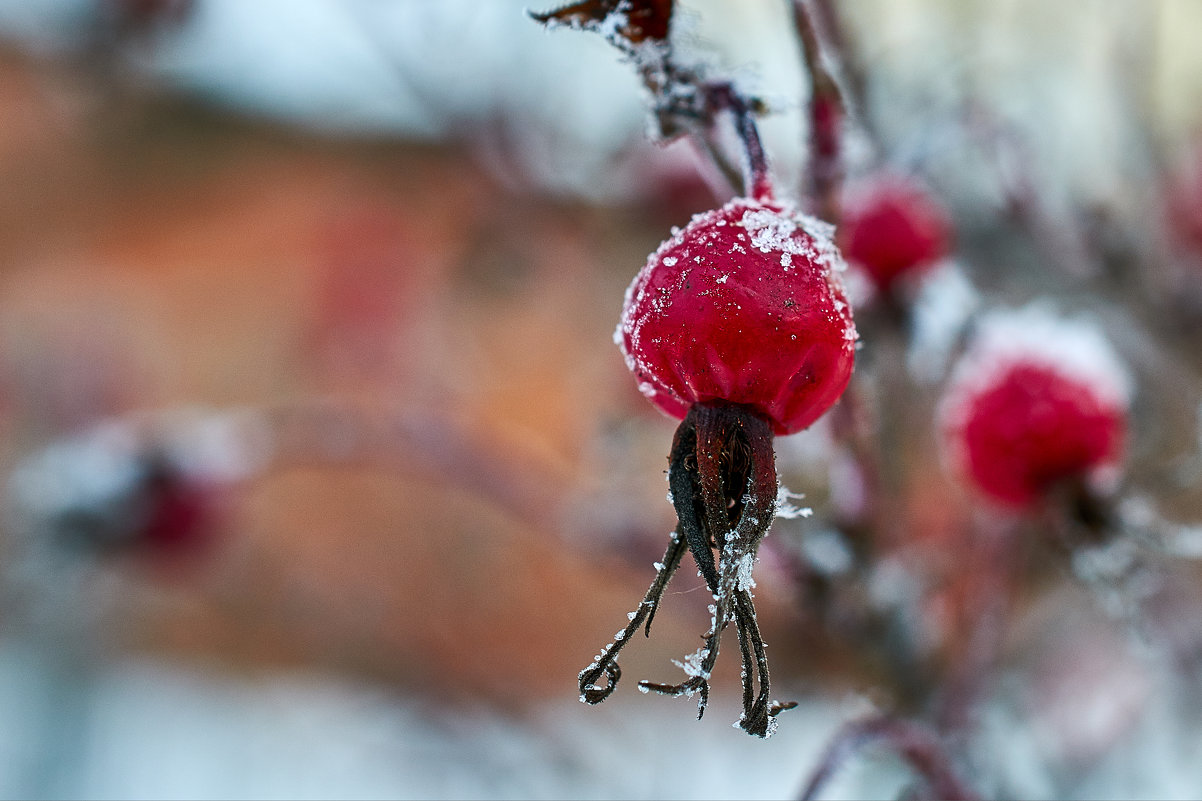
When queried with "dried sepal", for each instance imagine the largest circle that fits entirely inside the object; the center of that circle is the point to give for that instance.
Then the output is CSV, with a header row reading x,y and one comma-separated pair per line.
x,y
629,21
722,474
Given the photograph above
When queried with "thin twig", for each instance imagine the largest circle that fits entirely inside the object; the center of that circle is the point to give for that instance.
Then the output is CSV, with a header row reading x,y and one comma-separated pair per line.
x,y
914,742
827,112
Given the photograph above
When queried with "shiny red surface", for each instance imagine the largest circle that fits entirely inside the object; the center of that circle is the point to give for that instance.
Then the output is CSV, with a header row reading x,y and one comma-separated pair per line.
x,y
711,317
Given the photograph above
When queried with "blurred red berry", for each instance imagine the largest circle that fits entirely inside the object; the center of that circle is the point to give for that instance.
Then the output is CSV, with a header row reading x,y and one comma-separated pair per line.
x,y
181,511
744,305
892,227
1026,411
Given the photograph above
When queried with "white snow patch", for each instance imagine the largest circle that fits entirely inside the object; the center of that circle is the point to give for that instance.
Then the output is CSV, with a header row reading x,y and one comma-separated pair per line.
x,y
692,664
785,509
1035,335
744,579
942,309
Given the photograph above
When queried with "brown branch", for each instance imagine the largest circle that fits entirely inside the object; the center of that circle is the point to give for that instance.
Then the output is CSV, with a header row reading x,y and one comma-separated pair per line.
x,y
827,112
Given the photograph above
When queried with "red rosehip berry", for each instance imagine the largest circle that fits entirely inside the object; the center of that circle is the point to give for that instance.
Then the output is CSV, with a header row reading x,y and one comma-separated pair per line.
x,y
744,306
1035,403
891,228
739,325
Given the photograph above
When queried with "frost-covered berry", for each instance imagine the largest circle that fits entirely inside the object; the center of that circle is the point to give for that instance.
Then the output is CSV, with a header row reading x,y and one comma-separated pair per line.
x,y
744,305
1036,402
739,325
892,227
149,487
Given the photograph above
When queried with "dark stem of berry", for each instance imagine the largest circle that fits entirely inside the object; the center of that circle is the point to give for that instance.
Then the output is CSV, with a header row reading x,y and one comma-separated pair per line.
x,y
607,661
722,96
722,474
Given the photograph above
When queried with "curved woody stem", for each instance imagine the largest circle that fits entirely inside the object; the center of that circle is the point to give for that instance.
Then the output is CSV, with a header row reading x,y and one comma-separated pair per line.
x,y
722,96
912,741
606,662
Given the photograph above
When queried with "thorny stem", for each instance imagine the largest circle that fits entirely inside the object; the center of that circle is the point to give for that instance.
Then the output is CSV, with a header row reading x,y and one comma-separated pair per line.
x,y
827,111
730,171
830,23
914,742
723,477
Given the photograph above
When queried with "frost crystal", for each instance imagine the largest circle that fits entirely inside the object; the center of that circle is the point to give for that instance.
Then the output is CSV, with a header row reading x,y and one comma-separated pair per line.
x,y
745,580
692,664
786,510
771,230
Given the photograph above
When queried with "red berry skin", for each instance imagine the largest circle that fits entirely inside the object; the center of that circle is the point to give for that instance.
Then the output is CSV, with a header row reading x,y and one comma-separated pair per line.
x,y
181,515
891,228
1032,427
744,305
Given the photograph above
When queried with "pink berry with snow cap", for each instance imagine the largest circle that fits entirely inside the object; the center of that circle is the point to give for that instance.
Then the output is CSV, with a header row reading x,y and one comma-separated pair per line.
x,y
745,306
1035,403
892,228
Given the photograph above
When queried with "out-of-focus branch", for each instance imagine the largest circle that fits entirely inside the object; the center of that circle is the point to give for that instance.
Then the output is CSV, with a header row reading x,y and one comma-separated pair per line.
x,y
912,741
827,112
684,102
1060,240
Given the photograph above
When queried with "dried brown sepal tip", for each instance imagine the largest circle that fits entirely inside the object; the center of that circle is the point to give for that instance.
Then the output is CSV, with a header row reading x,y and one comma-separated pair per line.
x,y
634,21
722,476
